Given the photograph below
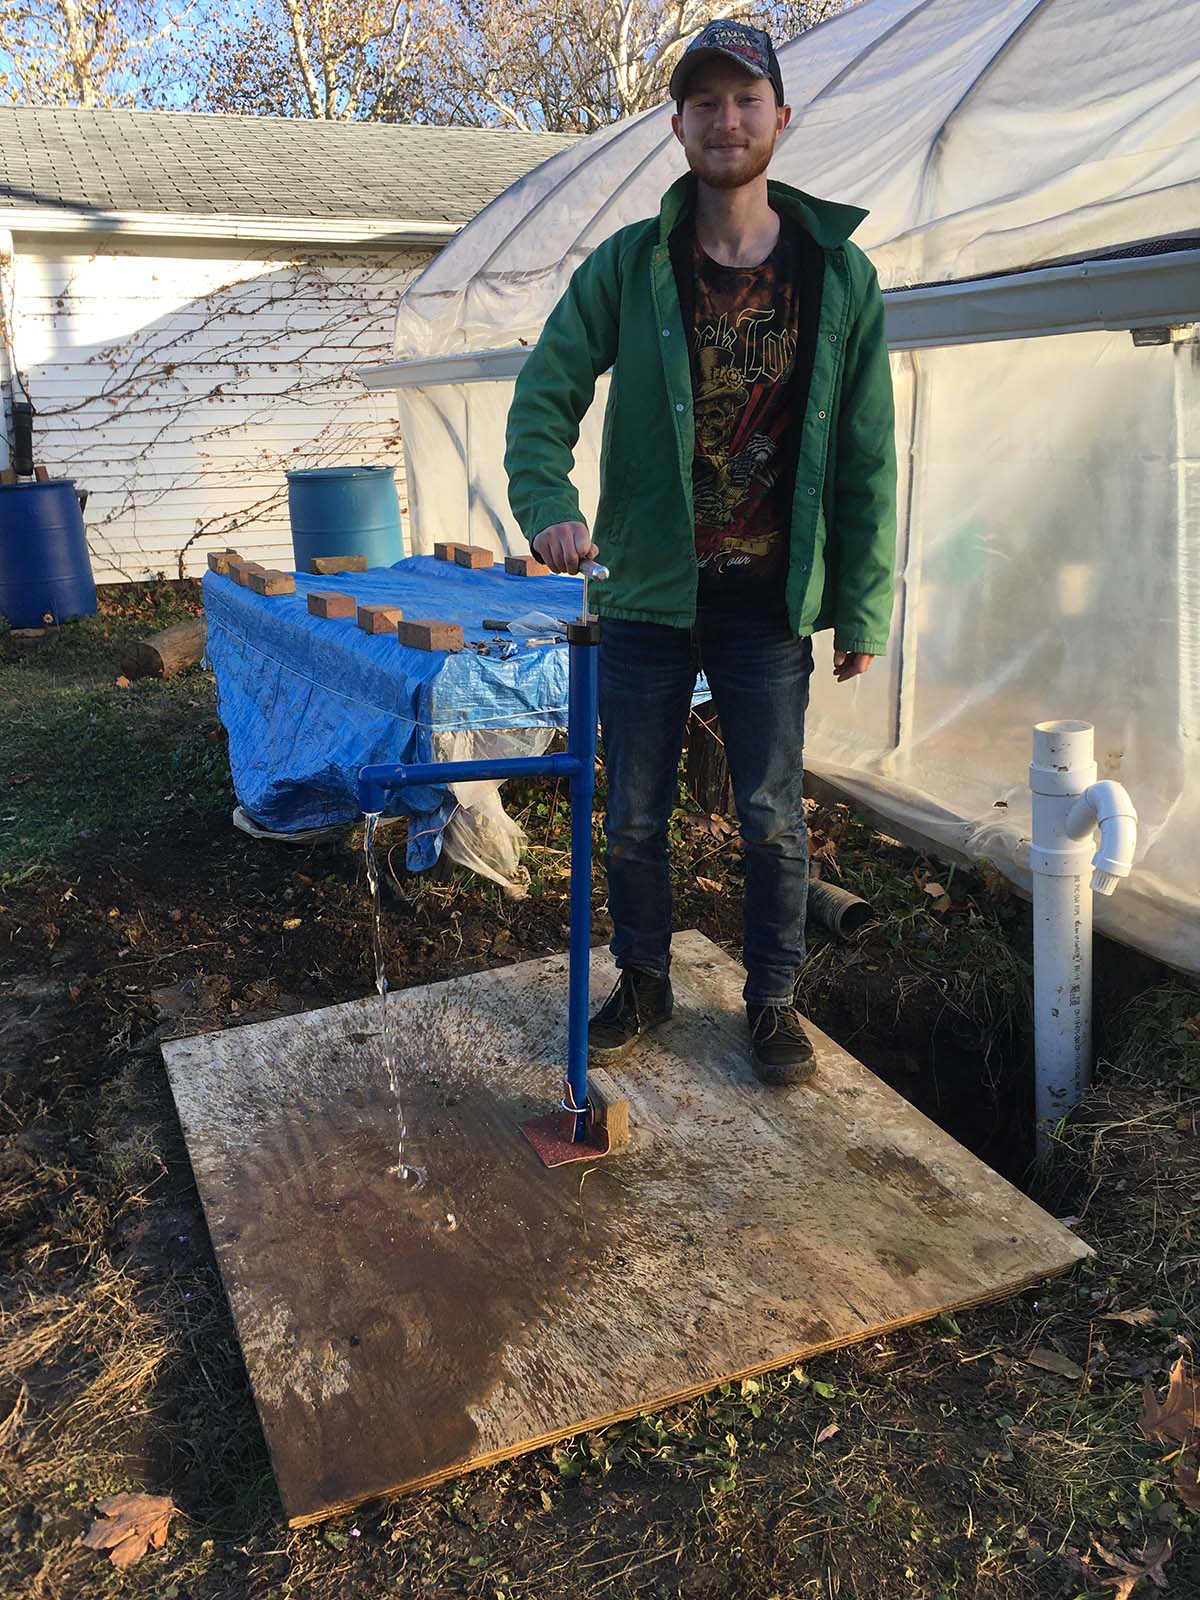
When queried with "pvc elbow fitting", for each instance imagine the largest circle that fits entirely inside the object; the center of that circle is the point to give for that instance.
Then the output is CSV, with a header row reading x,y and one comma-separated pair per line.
x,y
1108,806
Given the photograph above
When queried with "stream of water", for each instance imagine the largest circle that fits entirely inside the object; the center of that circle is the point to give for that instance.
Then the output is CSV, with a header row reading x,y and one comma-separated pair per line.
x,y
403,1169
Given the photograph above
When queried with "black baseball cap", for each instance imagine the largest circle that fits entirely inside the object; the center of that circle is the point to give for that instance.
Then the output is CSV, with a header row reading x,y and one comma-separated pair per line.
x,y
736,41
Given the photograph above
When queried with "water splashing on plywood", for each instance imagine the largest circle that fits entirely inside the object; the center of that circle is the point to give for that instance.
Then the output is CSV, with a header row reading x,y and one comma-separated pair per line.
x,y
404,1170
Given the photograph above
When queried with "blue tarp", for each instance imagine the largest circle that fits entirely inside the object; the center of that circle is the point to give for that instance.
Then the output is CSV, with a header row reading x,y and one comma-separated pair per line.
x,y
306,702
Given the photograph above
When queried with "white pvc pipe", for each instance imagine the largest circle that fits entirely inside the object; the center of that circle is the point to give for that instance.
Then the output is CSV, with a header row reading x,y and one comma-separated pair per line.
x,y
1068,804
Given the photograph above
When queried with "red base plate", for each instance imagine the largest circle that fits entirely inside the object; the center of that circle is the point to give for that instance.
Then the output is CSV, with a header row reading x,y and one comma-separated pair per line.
x,y
551,1137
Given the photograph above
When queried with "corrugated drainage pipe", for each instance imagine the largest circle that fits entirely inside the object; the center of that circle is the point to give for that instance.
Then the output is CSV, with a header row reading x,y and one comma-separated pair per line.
x,y
837,909
1068,805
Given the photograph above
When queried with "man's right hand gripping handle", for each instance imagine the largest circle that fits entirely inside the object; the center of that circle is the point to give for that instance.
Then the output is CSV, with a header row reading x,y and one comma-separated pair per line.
x,y
563,545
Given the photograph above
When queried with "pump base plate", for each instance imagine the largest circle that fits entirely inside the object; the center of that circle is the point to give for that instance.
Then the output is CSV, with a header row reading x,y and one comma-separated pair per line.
x,y
395,1335
551,1137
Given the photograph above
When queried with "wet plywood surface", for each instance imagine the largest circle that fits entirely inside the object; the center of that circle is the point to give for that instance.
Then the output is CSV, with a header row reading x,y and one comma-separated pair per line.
x,y
395,1336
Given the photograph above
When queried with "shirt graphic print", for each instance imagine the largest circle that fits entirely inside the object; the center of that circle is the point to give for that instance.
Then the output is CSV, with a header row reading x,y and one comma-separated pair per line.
x,y
744,340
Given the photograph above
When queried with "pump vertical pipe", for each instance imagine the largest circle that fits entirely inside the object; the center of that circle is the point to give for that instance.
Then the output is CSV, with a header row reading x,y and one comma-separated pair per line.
x,y
582,639
1068,805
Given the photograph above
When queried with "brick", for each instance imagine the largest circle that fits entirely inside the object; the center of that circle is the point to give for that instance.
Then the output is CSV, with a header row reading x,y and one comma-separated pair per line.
x,y
379,619
270,582
324,604
221,560
473,555
525,567
445,550
326,566
429,633
240,571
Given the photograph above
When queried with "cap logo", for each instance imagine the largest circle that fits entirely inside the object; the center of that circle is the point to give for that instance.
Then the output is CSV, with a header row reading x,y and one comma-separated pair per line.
x,y
720,36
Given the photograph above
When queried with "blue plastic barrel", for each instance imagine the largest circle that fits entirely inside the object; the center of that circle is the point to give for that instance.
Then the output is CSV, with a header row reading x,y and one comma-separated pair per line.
x,y
345,511
45,569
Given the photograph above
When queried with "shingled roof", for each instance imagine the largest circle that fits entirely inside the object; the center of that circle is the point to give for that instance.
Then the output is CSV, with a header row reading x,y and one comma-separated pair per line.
x,y
70,163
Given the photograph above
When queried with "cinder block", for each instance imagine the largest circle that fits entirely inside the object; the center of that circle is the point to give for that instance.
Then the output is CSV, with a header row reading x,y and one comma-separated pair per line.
x,y
379,619
271,582
324,604
473,555
429,633
221,560
444,551
326,566
240,571
525,567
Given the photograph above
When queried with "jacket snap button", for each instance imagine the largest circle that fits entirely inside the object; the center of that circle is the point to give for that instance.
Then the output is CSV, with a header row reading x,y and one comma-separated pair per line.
x,y
679,408
812,491
821,414
666,333
833,338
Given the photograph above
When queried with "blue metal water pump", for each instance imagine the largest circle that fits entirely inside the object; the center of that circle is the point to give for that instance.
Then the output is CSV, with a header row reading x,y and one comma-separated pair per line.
x,y
579,765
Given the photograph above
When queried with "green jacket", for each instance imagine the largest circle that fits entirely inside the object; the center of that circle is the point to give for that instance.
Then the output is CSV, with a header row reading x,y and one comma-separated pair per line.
x,y
621,310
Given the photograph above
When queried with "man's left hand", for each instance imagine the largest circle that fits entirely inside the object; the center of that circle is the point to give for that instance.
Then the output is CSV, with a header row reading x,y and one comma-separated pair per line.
x,y
849,664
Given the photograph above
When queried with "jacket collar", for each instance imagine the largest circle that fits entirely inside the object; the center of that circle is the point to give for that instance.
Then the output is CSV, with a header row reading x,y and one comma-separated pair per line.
x,y
829,223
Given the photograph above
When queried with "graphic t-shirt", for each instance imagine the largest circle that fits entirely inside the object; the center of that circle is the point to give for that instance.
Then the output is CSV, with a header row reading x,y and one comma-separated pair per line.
x,y
748,328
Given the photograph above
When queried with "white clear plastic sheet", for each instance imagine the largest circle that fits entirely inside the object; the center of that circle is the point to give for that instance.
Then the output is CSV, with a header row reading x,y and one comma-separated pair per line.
x,y
480,834
454,444
1049,502
1049,566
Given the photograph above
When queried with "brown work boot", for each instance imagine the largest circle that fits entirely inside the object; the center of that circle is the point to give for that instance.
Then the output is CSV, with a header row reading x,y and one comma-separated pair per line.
x,y
783,1052
639,1002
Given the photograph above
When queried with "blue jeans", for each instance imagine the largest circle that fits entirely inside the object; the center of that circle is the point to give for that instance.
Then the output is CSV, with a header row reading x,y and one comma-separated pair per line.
x,y
759,673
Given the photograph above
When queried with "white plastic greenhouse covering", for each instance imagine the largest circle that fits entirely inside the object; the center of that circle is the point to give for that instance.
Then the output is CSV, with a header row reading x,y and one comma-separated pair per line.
x,y
1049,504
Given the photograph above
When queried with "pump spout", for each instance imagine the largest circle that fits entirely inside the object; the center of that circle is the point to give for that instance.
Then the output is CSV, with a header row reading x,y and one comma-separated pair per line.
x,y
1107,806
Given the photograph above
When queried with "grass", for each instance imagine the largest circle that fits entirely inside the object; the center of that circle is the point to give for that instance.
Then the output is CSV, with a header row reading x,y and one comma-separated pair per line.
x,y
87,761
932,1462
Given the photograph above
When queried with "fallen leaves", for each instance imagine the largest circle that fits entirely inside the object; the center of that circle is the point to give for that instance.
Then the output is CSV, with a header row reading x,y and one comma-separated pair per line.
x,y
710,884
1187,1479
1051,1361
1141,1318
129,1525
1147,1564
720,827
1177,1419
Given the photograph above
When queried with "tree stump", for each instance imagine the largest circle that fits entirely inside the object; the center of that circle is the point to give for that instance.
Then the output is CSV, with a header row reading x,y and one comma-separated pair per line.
x,y
166,653
705,771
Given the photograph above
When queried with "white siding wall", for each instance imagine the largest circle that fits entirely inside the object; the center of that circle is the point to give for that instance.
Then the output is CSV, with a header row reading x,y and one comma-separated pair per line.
x,y
178,383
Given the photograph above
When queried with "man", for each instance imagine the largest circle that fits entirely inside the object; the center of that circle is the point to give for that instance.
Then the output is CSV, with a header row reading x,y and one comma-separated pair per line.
x,y
747,500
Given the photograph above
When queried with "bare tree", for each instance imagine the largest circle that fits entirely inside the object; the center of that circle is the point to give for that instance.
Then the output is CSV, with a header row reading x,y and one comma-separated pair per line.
x,y
87,52
784,19
570,66
332,59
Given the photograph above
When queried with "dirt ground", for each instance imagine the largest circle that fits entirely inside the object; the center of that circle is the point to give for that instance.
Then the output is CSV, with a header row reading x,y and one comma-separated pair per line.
x,y
1002,1452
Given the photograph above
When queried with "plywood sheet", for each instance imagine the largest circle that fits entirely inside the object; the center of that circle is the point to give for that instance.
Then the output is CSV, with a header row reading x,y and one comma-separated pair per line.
x,y
395,1336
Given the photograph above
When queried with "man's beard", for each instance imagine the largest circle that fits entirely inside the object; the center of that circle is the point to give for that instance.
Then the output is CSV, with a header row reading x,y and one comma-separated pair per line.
x,y
720,174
